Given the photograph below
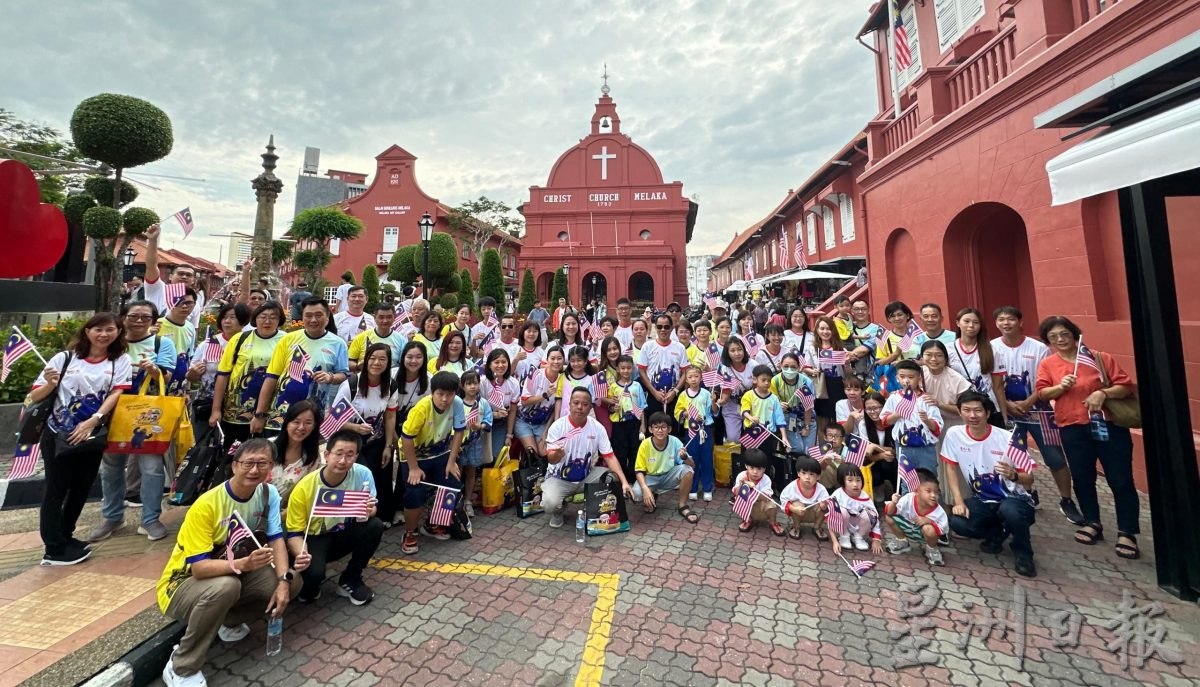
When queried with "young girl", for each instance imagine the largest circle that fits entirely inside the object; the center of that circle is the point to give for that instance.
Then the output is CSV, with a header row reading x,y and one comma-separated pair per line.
x,y
693,411
453,355
538,400
607,326
578,376
760,407
858,513
771,354
627,423
474,451
977,363
738,376
745,330
849,412
530,356
826,342
373,397
788,386
502,392
610,352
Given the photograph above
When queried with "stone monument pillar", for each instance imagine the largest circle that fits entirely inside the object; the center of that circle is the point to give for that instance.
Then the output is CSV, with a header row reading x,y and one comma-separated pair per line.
x,y
266,189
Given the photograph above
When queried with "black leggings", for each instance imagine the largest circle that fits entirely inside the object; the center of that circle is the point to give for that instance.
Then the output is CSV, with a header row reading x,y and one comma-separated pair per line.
x,y
625,445
372,457
68,482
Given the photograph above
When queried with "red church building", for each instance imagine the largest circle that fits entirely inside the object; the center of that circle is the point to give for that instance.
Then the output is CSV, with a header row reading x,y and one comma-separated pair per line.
x,y
606,215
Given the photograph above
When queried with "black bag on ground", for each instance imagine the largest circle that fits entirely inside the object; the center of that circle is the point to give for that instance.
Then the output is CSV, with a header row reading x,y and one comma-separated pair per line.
x,y
528,481
605,509
460,523
199,466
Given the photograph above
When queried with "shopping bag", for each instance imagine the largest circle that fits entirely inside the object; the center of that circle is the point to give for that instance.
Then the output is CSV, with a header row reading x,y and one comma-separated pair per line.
x,y
143,424
726,457
605,509
498,489
529,490
185,437
196,474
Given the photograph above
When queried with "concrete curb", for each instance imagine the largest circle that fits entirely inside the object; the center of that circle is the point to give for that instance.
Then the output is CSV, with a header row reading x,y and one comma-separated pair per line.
x,y
27,493
144,663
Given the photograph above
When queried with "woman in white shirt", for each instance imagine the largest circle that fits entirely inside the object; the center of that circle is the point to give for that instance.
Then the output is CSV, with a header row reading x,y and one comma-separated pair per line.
x,y
977,363
374,400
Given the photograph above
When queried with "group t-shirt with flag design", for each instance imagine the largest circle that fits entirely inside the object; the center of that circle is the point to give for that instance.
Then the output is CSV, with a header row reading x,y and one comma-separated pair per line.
x,y
794,493
540,386
432,430
1018,367
183,336
910,431
797,343
662,365
907,508
866,335
208,379
767,411
300,502
371,406
966,363
350,326
977,458
510,392
771,360
327,353
206,526
529,365
763,485
395,341
143,349
581,452
245,379
813,359
855,509
786,393
701,401
652,460
569,385
510,348
82,387
627,397
741,380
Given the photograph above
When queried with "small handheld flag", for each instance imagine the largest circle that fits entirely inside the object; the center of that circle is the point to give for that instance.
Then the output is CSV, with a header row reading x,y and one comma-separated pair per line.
x,y
856,449
805,395
1084,357
16,347
25,461
600,381
695,420
339,415
743,503
907,405
1018,452
711,379
754,436
299,363
442,512
237,532
908,474
910,336
184,217
496,396
402,315
173,293
713,358
827,357
341,503
860,568
213,350
818,451
835,520
1050,432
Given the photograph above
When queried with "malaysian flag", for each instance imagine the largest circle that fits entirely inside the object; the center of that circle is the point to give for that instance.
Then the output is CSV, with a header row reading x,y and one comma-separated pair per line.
x,y
695,420
834,519
711,303
212,350
184,217
473,415
860,568
752,345
711,378
801,261
908,474
299,363
907,405
806,396
784,258
339,415
713,356
1085,357
442,512
571,434
24,461
496,396
1018,452
16,347
600,381
818,451
856,449
174,293
634,408
754,436
237,532
903,52
910,336
402,315
1050,433
748,268
829,358
341,503
744,502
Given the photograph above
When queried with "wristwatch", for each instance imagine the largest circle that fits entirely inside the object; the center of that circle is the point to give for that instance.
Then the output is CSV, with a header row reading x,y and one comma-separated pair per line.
x,y
98,417
261,416
287,576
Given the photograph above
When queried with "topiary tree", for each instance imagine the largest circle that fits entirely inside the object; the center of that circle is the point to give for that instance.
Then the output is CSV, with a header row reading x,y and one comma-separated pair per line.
x,y
281,251
402,267
101,188
558,289
443,263
370,282
119,131
449,301
528,293
466,293
312,263
320,226
491,278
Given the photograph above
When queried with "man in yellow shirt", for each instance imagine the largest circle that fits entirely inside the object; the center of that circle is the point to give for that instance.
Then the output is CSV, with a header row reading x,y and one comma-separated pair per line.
x,y
382,332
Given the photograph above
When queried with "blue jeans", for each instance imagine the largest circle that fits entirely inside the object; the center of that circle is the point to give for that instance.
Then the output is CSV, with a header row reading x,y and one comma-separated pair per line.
x,y
1052,456
995,521
499,434
702,455
435,473
112,483
801,444
1116,455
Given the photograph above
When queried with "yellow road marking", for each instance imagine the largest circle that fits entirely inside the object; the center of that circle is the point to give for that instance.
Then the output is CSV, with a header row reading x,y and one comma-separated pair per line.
x,y
599,631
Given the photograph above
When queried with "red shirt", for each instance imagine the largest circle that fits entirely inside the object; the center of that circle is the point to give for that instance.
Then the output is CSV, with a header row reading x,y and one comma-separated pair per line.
x,y
1069,408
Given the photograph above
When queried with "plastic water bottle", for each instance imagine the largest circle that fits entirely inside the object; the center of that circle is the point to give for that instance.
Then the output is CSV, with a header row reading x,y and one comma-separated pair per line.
x,y
580,527
1099,427
274,635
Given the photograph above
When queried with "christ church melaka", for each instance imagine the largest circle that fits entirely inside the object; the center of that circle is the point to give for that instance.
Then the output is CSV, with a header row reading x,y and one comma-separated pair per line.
x,y
605,216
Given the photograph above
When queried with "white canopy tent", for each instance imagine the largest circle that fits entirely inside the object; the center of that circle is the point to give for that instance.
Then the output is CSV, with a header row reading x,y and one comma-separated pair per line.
x,y
805,275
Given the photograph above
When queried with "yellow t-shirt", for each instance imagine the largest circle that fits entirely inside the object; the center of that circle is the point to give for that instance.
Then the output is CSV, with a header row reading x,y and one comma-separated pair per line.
x,y
456,367
395,340
245,380
432,348
300,501
432,430
844,328
652,461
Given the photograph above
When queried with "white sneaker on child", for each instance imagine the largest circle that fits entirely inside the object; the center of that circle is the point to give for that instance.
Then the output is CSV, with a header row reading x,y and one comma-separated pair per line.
x,y
860,543
844,541
708,496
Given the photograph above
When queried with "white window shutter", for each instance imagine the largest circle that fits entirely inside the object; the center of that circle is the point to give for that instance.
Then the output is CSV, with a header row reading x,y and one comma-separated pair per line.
x,y
335,246
812,232
827,223
948,28
846,206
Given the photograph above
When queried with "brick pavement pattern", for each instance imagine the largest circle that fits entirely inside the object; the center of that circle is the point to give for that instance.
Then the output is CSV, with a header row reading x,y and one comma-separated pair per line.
x,y
706,605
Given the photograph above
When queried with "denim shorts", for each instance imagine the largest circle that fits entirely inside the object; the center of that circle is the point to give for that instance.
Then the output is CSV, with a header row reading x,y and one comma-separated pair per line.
x,y
523,429
471,456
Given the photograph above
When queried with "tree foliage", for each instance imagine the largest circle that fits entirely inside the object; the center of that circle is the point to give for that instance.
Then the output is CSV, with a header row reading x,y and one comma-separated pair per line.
x,y
281,251
121,130
485,220
313,263
466,292
402,267
449,301
102,222
101,188
559,289
443,256
528,293
491,278
39,139
138,220
75,205
320,226
370,282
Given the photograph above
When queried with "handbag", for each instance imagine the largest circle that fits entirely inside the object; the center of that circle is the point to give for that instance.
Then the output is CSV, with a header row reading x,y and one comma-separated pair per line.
x,y
604,509
1125,412
143,424
97,442
33,415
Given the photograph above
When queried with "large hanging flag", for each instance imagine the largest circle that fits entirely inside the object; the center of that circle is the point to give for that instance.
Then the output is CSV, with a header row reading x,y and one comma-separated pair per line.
x,y
339,415
856,449
749,267
903,51
801,261
341,503
16,347
743,503
1018,452
785,260
442,512
25,461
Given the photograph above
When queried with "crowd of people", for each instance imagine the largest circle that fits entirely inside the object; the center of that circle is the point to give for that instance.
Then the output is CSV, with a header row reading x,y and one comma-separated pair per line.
x,y
429,399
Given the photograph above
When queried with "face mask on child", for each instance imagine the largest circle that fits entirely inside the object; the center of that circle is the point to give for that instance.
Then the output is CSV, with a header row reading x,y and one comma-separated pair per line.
x,y
790,375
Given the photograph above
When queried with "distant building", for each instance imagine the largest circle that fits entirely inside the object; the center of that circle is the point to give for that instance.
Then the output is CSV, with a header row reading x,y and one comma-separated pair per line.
x,y
697,276
239,249
313,191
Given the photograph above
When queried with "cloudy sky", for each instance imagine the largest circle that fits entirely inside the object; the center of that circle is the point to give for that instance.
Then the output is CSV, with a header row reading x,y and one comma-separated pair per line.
x,y
739,99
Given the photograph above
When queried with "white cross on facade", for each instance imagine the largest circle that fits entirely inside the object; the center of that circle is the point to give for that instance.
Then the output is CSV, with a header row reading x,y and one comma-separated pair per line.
x,y
604,157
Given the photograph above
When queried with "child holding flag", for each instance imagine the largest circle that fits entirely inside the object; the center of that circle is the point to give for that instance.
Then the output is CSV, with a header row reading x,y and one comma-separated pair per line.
x,y
917,516
858,518
431,440
803,500
628,415
915,422
693,410
762,408
755,477
479,420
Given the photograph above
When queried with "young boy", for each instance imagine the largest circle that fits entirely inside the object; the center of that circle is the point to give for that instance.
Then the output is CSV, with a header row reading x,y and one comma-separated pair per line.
x,y
761,407
832,450
755,475
694,412
430,440
916,432
858,513
918,517
626,422
663,465
802,499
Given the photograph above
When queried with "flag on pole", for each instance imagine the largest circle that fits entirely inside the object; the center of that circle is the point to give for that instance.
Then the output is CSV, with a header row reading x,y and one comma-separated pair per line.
x,y
237,532
496,396
910,336
213,350
829,358
299,363
834,519
635,409
402,315
818,451
743,503
1050,433
600,381
184,217
712,356
339,415
801,261
711,378
754,436
749,268
805,396
16,347
908,403
785,260
442,512
856,449
1085,357
860,568
341,503
24,461
174,293
695,420
908,474
1018,452
903,51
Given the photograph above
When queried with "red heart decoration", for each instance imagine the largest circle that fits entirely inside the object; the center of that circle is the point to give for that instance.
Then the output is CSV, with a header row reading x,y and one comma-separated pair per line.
x,y
33,233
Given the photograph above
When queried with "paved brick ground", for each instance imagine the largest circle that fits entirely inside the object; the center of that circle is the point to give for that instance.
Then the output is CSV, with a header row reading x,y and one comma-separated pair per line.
x,y
706,605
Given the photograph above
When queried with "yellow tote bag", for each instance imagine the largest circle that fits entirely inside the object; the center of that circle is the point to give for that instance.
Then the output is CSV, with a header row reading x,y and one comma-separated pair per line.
x,y
498,489
185,438
145,424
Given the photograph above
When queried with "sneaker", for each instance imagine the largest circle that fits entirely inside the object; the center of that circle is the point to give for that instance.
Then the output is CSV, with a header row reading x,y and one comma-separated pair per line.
x,y
1035,498
1025,567
1067,508
470,510
410,545
171,679
153,531
133,501
708,496
304,598
897,546
844,541
934,556
71,555
944,540
233,633
79,543
105,529
860,543
356,590
692,496
437,532
991,546
556,520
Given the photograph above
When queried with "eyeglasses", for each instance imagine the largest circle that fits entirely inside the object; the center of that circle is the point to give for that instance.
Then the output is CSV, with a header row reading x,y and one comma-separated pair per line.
x,y
1059,335
508,326
662,326
255,464
186,304
341,455
139,318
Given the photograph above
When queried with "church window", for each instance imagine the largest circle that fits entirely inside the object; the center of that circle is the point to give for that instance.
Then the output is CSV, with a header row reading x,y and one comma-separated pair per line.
x,y
644,234
563,236
391,238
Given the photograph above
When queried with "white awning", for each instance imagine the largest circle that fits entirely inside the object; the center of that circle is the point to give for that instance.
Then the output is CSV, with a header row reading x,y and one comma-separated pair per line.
x,y
1156,147
739,285
805,275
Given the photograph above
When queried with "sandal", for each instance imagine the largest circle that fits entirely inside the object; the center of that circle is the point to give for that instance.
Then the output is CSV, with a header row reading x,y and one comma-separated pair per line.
x,y
777,529
794,532
745,526
648,510
688,514
821,532
1089,534
1128,551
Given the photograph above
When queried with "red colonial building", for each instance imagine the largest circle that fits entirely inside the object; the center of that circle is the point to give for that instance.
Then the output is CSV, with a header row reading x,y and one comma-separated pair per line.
x,y
607,216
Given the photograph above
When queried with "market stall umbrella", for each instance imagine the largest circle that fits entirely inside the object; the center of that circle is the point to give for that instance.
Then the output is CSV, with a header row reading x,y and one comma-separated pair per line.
x,y
805,275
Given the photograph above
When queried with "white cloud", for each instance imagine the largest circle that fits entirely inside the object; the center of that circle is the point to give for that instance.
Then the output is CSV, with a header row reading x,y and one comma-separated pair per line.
x,y
739,100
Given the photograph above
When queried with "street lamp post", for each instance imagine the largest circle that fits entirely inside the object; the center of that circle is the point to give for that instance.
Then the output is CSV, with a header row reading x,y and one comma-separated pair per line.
x,y
426,224
567,278
128,256
595,294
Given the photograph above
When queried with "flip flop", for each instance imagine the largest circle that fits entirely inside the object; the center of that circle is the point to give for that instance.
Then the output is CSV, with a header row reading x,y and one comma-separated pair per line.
x,y
688,514
794,533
